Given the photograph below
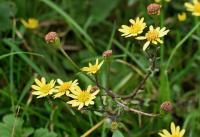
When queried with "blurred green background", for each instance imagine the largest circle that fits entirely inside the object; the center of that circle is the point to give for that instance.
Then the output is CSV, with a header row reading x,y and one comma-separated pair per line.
x,y
87,28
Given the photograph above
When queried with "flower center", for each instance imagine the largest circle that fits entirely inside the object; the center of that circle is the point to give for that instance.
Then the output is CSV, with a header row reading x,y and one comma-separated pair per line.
x,y
83,96
175,135
32,23
65,86
135,28
197,7
152,35
93,68
45,88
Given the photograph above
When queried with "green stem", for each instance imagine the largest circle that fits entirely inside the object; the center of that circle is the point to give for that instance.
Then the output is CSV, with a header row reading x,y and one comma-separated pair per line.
x,y
198,30
107,60
98,85
69,59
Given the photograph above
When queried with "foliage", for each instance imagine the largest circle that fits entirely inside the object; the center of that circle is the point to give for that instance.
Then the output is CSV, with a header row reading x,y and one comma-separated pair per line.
x,y
87,28
12,126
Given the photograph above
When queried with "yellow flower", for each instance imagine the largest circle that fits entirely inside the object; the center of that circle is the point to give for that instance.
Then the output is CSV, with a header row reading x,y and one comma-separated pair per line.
x,y
42,89
182,16
82,97
153,36
194,8
64,87
92,68
137,27
175,132
31,23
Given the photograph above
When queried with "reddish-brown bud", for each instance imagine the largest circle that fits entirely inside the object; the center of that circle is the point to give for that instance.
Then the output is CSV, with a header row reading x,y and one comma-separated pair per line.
x,y
107,53
153,9
51,37
166,106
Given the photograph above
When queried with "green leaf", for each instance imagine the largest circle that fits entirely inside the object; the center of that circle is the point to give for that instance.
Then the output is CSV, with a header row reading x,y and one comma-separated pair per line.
x,y
9,10
42,132
27,132
117,133
12,126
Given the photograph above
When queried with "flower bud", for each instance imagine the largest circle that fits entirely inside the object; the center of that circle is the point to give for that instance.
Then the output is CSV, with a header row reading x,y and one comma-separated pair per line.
x,y
166,106
107,53
153,9
114,125
53,39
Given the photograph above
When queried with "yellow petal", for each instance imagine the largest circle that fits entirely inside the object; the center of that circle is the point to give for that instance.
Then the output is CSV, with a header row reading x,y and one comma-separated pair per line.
x,y
189,5
24,22
146,45
39,83
43,80
182,132
162,135
166,132
141,38
173,128
80,106
35,87
60,82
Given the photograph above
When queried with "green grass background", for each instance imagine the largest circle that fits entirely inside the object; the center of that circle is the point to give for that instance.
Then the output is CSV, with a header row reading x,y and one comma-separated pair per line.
x,y
87,28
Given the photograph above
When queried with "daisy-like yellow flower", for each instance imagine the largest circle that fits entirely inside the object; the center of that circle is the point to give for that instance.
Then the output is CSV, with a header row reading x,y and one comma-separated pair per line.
x,y
193,7
175,132
182,16
82,97
31,23
153,36
92,69
137,26
64,88
42,89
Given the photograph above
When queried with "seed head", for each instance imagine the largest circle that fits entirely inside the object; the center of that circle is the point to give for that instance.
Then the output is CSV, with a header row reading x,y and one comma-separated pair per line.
x,y
153,9
107,53
166,106
52,39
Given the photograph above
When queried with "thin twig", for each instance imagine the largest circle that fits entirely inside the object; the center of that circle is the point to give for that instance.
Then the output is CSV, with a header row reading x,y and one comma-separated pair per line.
x,y
126,108
143,113
141,84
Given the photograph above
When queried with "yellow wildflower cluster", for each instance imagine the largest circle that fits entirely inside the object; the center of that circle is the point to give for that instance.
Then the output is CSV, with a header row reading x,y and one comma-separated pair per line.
x,y
153,36
175,132
71,89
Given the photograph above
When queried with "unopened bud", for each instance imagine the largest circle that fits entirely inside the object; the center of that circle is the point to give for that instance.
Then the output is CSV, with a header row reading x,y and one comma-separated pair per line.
x,y
107,53
114,125
52,38
153,9
166,106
